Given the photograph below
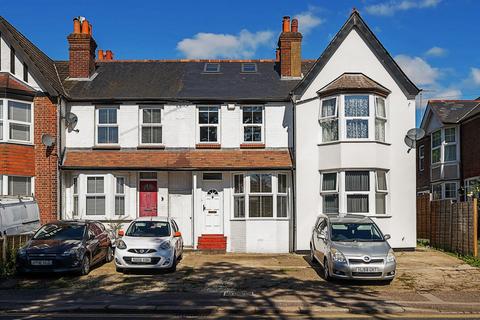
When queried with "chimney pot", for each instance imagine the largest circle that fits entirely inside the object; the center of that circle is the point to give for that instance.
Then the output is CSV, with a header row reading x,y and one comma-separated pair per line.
x,y
85,27
286,24
109,55
100,54
295,25
76,26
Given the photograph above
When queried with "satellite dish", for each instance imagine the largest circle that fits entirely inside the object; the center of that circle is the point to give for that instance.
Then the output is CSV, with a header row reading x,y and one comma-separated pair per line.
x,y
71,120
413,135
48,140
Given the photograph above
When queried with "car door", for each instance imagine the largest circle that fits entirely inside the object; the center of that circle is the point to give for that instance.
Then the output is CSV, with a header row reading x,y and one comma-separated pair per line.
x,y
93,243
103,238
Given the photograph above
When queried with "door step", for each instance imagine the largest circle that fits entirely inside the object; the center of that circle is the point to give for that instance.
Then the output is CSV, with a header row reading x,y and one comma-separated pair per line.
x,y
212,242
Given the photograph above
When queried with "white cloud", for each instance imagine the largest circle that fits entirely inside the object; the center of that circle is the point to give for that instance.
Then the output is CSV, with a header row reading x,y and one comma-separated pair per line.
x,y
418,70
446,93
436,52
307,21
475,75
389,8
214,45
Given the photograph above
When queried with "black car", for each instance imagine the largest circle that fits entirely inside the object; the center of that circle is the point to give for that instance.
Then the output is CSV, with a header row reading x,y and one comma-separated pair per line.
x,y
66,246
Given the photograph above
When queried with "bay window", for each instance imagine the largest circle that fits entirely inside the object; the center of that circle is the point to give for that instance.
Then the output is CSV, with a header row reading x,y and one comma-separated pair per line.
x,y
252,121
260,195
208,124
15,121
151,125
437,191
95,196
354,191
450,144
436,146
421,158
107,126
329,119
357,116
380,119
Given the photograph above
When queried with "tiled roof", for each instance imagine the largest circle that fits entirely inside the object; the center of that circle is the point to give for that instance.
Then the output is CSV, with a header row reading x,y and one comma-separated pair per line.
x,y
454,111
187,159
39,63
7,81
179,80
352,82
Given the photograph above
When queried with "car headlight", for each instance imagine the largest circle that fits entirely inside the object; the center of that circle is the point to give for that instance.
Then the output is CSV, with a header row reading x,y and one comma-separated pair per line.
x,y
22,252
121,244
337,256
75,251
390,256
165,245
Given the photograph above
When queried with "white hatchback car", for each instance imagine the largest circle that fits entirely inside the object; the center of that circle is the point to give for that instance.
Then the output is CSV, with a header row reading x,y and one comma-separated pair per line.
x,y
149,242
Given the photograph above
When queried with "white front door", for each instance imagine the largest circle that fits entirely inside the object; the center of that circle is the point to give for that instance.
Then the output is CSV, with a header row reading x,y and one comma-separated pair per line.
x,y
212,205
181,212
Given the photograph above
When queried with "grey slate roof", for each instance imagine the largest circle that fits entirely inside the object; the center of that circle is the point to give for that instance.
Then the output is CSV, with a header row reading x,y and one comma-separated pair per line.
x,y
357,23
454,111
39,64
180,80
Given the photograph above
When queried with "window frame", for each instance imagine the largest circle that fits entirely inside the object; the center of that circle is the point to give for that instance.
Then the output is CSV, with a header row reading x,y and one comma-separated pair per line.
x,y
249,63
207,64
281,195
106,125
329,119
30,185
261,125
444,187
349,118
75,196
4,119
200,125
439,147
433,191
96,194
468,181
151,125
380,118
421,158
446,144
326,193
241,194
247,193
116,195
358,192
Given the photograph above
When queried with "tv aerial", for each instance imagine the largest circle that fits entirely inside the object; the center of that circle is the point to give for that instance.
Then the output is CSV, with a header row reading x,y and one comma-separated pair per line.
x,y
412,136
71,121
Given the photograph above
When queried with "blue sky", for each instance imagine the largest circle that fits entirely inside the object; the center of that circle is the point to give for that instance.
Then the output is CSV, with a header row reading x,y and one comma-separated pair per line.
x,y
435,41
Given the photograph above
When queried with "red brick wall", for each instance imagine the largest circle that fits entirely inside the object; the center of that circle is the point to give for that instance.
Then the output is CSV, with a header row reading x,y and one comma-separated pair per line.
x,y
17,160
423,177
82,55
470,148
290,54
45,118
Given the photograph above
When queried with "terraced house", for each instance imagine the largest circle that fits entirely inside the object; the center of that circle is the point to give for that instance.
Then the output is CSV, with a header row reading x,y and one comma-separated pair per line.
x,y
242,153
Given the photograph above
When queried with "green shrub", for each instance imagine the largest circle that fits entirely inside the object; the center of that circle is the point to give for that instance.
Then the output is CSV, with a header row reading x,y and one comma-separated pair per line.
x,y
7,268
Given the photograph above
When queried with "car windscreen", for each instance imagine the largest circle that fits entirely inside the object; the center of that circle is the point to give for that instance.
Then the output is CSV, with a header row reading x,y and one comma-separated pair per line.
x,y
149,229
355,232
60,232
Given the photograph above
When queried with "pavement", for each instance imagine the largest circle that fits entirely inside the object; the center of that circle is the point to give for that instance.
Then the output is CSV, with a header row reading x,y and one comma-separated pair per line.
x,y
429,284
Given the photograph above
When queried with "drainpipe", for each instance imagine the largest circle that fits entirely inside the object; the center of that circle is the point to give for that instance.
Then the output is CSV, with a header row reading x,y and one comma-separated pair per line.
x,y
59,158
294,178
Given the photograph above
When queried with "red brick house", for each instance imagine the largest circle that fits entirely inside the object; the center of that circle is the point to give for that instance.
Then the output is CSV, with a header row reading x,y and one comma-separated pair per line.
x,y
448,156
29,91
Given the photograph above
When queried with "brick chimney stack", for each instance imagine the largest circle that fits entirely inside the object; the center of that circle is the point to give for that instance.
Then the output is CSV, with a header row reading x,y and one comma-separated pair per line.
x,y
290,47
82,49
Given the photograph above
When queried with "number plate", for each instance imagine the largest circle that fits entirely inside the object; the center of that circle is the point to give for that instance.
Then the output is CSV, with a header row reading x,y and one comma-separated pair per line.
x,y
144,260
41,262
366,269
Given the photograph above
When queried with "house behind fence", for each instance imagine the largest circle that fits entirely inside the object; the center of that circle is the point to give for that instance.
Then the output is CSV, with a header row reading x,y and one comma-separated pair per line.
x,y
451,226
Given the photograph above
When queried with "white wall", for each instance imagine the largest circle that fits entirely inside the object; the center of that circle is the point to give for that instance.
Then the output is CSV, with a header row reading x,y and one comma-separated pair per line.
x,y
179,128
353,55
5,65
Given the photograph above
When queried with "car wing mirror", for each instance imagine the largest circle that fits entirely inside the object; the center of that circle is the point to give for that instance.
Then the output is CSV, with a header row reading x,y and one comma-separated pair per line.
x,y
177,234
386,237
121,233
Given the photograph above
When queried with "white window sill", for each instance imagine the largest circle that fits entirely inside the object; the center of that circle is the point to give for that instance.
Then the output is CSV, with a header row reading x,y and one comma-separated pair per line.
x,y
106,146
27,143
260,219
353,141
151,146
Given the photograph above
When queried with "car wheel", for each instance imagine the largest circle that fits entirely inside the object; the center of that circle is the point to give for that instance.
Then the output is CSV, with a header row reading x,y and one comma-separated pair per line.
x,y
85,268
326,270
109,255
313,260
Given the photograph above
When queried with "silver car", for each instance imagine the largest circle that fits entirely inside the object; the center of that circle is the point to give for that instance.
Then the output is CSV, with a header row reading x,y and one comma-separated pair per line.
x,y
149,243
352,247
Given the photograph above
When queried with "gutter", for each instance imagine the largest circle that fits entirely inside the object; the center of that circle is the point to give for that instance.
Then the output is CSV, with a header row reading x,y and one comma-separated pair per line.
x,y
294,176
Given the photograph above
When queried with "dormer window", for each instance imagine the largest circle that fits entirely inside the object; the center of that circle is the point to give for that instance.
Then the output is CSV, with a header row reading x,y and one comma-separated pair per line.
x,y
212,67
249,67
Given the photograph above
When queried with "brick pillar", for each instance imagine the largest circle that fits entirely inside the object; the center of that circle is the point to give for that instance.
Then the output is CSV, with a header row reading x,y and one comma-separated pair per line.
x,y
82,55
45,120
290,46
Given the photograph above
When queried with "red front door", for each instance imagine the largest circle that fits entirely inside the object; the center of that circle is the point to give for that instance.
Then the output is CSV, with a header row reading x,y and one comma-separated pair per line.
x,y
148,198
